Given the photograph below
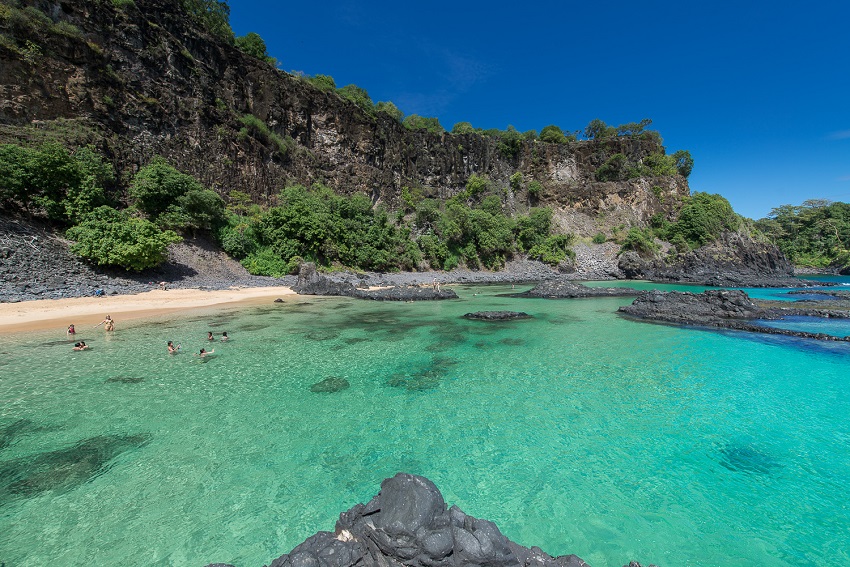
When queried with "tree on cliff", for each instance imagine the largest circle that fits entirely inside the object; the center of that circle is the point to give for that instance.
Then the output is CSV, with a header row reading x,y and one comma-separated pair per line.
x,y
253,45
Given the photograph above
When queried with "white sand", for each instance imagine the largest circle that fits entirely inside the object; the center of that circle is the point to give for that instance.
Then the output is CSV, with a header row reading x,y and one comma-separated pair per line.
x,y
82,311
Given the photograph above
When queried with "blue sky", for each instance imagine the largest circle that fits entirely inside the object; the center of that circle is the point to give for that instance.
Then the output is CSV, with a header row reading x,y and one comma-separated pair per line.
x,y
758,92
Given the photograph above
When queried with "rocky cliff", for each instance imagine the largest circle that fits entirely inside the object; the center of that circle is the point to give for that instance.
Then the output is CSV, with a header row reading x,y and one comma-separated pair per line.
x,y
142,79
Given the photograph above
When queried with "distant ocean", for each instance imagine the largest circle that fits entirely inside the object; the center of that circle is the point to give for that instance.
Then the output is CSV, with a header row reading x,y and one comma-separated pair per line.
x,y
577,431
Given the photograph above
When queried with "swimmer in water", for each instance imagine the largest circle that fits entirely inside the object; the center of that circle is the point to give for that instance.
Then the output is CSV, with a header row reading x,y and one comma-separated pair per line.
x,y
224,337
108,324
205,352
80,345
172,349
210,336
71,330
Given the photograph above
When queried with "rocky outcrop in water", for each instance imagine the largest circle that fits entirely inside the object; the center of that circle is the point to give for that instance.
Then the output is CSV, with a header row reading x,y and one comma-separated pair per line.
x,y
310,282
561,289
408,524
727,309
735,260
497,315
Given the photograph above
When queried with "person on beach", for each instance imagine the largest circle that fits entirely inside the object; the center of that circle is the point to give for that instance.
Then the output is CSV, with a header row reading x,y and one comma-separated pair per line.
x,y
205,352
71,330
172,349
163,286
210,336
224,336
108,324
80,345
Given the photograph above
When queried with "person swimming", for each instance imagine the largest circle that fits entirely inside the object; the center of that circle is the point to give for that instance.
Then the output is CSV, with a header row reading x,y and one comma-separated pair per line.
x,y
205,352
210,336
80,345
224,336
173,349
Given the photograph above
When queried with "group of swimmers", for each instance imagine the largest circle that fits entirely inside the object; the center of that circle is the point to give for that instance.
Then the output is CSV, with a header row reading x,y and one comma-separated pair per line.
x,y
108,325
174,349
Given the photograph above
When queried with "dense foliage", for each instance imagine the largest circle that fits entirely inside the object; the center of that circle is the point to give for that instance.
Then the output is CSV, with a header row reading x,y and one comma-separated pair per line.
x,y
107,237
254,45
174,200
814,234
50,180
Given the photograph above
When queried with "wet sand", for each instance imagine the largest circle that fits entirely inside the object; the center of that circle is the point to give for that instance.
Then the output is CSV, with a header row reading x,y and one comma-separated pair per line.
x,y
82,311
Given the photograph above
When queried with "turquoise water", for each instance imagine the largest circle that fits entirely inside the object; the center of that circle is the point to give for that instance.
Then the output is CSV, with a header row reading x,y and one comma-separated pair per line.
x,y
834,327
767,293
577,431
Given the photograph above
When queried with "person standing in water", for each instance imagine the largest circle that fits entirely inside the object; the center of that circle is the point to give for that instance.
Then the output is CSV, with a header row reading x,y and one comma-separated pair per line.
x,y
108,324
71,330
172,349
224,336
210,336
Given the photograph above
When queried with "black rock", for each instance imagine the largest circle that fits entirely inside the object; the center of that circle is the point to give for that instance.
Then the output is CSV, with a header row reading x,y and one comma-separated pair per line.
x,y
408,524
565,289
728,309
497,315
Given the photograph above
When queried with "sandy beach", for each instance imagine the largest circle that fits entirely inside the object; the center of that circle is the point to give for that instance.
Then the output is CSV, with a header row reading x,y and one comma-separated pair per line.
x,y
82,311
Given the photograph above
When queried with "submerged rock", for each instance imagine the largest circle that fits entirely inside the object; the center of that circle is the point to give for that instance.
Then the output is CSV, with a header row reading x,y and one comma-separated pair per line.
x,y
63,469
497,315
330,385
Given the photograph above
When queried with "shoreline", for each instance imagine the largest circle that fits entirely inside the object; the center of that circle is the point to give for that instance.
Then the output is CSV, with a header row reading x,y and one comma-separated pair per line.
x,y
45,314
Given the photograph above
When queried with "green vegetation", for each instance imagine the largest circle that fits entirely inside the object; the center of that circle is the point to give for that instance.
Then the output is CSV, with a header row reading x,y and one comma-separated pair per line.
x,y
619,167
253,45
815,234
641,241
49,180
390,109
107,237
416,122
212,15
318,225
554,135
599,238
174,200
259,130
358,96
702,219
322,82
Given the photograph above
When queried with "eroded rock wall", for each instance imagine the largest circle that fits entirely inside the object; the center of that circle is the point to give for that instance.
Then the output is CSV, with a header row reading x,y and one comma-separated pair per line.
x,y
145,80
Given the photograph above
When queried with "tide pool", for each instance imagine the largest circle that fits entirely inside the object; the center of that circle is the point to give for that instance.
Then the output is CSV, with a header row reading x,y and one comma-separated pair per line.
x,y
577,431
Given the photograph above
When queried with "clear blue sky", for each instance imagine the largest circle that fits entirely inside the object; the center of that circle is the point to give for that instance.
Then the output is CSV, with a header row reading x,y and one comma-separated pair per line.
x,y
757,91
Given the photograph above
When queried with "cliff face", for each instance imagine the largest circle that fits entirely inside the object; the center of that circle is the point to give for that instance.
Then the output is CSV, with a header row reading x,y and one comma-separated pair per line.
x,y
144,80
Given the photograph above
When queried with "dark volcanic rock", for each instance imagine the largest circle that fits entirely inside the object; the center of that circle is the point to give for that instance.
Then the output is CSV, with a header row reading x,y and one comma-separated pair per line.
x,y
497,315
734,260
310,282
408,523
693,308
561,289
728,309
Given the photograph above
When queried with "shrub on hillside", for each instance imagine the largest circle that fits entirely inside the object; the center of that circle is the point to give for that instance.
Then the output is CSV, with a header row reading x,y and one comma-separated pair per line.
x,y
114,238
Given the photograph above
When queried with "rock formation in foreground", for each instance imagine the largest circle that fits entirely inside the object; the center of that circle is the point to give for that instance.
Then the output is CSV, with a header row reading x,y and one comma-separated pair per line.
x,y
408,524
724,308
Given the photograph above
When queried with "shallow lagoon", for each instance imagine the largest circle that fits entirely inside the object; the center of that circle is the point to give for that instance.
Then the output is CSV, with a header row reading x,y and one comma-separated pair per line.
x,y
577,431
